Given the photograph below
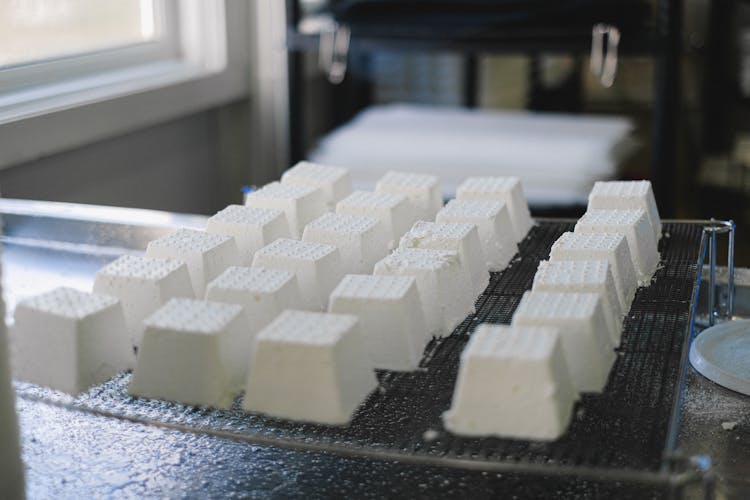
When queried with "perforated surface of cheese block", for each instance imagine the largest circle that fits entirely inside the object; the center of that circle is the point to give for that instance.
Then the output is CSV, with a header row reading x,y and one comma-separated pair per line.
x,y
263,293
583,276
316,265
335,182
586,343
251,227
194,352
301,203
461,237
512,382
634,225
493,223
393,210
628,195
69,340
445,289
390,315
505,189
69,303
361,240
423,191
205,254
612,247
311,367
143,284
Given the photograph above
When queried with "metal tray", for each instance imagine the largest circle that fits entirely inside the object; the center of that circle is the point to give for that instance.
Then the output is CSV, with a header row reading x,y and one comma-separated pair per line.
x,y
625,434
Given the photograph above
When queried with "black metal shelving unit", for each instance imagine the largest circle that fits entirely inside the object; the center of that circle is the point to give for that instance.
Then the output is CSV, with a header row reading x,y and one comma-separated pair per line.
x,y
661,39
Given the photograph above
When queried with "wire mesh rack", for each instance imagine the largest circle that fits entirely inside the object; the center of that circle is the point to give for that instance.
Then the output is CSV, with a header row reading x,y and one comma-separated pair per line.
x,y
623,430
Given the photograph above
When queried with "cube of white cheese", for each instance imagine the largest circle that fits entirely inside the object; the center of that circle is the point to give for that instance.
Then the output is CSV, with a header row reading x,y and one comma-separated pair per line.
x,y
394,210
445,289
206,254
12,476
316,265
583,276
143,285
194,352
493,222
262,293
612,247
311,367
335,182
422,190
513,382
251,227
637,230
69,340
362,241
504,189
629,195
390,316
461,237
301,203
586,343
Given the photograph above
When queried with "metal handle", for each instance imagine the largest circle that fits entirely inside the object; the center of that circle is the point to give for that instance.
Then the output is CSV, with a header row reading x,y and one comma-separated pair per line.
x,y
603,62
714,228
333,51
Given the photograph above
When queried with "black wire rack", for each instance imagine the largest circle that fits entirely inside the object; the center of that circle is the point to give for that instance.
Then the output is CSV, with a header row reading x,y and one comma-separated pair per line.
x,y
624,428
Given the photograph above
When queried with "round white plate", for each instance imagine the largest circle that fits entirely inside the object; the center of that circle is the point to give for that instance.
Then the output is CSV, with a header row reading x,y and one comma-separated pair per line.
x,y
722,354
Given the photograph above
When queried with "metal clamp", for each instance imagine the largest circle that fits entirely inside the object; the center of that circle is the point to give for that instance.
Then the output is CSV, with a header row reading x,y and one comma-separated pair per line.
x,y
333,51
603,62
713,229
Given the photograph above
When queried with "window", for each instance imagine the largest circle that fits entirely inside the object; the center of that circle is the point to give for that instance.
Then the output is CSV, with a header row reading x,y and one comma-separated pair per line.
x,y
56,41
38,30
110,66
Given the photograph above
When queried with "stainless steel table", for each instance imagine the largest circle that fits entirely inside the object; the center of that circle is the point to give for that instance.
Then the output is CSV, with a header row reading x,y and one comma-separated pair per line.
x,y
73,453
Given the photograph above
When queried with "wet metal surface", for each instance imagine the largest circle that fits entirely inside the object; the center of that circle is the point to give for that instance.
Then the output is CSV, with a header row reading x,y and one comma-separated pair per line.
x,y
716,420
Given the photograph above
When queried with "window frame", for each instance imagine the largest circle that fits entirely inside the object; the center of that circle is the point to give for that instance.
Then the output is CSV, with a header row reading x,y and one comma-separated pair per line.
x,y
204,63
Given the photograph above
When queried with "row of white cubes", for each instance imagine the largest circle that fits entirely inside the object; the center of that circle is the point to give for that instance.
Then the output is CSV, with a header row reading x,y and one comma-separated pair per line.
x,y
197,256
563,334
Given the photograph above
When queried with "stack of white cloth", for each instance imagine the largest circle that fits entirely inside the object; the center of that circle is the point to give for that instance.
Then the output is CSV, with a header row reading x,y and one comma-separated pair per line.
x,y
557,156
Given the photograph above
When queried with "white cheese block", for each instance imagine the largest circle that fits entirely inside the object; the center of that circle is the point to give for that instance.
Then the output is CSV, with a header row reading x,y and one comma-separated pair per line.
x,y
194,352
493,222
422,190
629,195
143,285
637,230
612,247
583,276
316,265
504,189
586,343
262,293
335,182
12,483
362,241
69,340
206,254
251,227
513,382
311,367
461,237
393,210
390,315
301,203
445,289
